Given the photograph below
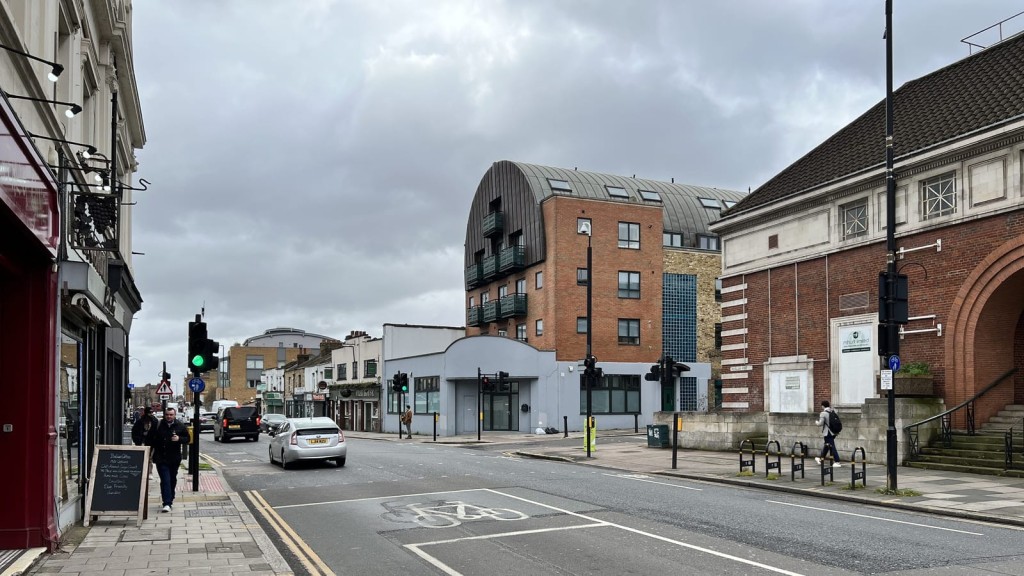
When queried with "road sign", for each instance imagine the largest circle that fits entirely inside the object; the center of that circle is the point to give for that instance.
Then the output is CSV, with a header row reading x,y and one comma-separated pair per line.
x,y
894,363
165,389
165,396
886,379
196,384
131,386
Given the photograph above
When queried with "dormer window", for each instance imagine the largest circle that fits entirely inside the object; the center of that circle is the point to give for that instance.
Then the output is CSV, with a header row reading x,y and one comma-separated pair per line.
x,y
559,185
729,203
617,192
650,195
710,203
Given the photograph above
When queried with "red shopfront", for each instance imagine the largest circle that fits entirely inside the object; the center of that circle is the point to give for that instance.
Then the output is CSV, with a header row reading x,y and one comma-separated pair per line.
x,y
28,324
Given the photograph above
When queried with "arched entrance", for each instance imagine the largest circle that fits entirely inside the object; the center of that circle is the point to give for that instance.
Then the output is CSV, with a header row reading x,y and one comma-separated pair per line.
x,y
986,335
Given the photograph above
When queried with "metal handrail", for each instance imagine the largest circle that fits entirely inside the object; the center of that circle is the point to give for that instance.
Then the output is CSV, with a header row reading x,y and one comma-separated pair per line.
x,y
1008,444
946,432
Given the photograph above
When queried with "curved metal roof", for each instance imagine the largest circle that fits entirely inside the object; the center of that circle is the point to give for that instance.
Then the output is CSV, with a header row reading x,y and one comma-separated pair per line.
x,y
683,210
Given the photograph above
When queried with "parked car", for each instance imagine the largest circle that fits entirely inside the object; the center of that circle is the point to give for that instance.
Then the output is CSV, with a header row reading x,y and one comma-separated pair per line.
x,y
206,420
308,439
237,421
271,422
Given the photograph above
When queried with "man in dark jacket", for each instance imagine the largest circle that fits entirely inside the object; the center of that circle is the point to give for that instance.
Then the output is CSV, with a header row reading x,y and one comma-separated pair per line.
x,y
143,427
166,441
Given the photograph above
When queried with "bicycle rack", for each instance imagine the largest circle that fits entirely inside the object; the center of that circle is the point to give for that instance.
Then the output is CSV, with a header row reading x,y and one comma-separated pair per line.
x,y
862,475
777,465
826,468
753,456
793,466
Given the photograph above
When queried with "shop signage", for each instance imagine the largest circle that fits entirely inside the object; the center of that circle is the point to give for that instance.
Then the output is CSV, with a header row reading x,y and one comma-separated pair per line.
x,y
319,397
24,188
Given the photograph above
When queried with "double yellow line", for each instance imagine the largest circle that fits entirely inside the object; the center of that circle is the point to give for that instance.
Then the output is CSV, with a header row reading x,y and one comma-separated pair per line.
x,y
304,553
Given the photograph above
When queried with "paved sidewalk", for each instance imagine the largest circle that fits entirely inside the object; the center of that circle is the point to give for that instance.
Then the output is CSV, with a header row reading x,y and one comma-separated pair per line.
x,y
972,496
208,532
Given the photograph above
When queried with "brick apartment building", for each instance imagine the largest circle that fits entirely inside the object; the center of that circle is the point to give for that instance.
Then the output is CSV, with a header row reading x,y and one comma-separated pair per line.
x,y
242,368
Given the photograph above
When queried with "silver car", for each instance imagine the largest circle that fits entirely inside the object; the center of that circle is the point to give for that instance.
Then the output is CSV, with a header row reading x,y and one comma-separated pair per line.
x,y
308,439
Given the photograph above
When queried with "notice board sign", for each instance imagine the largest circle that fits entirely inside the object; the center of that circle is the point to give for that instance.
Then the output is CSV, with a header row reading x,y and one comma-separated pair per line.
x,y
118,483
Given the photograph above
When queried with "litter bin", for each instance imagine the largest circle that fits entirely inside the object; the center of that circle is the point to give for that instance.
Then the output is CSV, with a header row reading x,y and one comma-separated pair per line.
x,y
657,436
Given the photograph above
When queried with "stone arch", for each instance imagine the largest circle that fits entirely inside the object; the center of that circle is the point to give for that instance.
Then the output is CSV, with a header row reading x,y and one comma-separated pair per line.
x,y
984,330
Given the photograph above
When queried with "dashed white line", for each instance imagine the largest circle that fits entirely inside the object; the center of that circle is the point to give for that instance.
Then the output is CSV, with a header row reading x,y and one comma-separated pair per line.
x,y
875,518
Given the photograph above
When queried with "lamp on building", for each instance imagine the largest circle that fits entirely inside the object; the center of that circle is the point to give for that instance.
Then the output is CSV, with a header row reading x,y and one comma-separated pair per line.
x,y
71,112
55,69
89,151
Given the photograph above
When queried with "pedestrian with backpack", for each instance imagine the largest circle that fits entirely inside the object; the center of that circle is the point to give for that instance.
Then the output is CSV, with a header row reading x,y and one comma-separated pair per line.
x,y
830,425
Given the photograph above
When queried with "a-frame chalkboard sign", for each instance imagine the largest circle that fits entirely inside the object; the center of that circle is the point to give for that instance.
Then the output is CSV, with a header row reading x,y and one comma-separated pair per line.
x,y
118,483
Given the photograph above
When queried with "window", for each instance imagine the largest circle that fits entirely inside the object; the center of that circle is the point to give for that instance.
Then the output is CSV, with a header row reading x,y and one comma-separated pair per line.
x,y
718,289
629,331
707,242
538,280
342,372
938,196
251,383
255,362
728,203
521,286
650,195
854,219
328,373
472,302
370,368
539,328
617,192
613,394
629,284
355,371
521,332
629,235
581,324
710,203
426,395
485,297
502,291
582,223
581,276
560,185
672,239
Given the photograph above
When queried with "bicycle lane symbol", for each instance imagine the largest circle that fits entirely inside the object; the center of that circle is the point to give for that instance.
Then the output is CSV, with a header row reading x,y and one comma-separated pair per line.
x,y
447,514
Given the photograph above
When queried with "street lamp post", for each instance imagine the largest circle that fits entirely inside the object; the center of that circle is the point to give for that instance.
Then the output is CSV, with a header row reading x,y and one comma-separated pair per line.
x,y
585,228
891,326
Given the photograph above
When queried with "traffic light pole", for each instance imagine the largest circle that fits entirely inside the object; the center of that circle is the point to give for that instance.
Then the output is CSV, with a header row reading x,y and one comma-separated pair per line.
x,y
193,460
163,397
892,330
479,404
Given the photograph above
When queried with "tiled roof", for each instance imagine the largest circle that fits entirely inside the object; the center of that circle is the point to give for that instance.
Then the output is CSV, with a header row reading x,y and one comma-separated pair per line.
x,y
980,91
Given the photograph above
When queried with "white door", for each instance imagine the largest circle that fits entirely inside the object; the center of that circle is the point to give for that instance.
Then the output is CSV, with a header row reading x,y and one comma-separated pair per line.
x,y
856,364
469,414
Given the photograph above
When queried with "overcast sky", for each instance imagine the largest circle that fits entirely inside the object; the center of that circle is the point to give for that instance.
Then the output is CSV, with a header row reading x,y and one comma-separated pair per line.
x,y
313,161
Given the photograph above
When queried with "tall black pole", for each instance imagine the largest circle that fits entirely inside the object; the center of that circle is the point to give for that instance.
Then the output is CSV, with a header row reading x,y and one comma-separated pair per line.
x,y
892,331
193,460
589,376
479,405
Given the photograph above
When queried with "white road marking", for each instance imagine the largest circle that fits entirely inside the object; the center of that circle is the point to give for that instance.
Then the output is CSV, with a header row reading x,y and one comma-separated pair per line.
x,y
642,478
875,518
376,498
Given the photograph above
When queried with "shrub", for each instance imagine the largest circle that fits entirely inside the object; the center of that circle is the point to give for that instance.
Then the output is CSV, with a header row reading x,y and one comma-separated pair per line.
x,y
915,369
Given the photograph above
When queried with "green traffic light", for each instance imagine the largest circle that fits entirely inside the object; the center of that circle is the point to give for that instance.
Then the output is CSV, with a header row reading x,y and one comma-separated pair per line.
x,y
197,360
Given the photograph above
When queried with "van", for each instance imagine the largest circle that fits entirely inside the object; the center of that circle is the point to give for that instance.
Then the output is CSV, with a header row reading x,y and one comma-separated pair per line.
x,y
218,404
237,421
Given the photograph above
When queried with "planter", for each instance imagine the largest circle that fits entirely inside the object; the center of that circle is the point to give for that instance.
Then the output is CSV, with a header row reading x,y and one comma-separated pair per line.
x,y
911,386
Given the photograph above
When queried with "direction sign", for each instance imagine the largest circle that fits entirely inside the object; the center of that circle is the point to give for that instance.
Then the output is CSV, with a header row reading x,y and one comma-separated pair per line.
x,y
894,363
196,384
165,388
165,396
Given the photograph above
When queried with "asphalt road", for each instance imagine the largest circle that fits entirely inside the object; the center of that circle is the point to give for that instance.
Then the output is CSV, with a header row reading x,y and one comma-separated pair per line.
x,y
419,508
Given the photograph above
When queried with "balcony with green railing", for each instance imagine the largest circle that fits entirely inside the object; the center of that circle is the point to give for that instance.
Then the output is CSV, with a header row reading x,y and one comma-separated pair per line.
x,y
494,224
513,305
474,275
490,311
474,315
489,267
512,258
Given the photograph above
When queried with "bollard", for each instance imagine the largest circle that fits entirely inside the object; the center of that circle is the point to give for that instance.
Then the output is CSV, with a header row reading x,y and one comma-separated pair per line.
x,y
565,425
435,426
826,468
753,456
676,425
793,466
636,423
854,475
777,465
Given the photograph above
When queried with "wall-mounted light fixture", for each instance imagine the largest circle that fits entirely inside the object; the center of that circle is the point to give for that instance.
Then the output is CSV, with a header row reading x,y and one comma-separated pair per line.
x,y
89,151
55,69
71,112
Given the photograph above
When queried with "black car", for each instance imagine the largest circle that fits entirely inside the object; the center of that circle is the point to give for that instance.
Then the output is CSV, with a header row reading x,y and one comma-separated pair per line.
x,y
237,421
271,422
